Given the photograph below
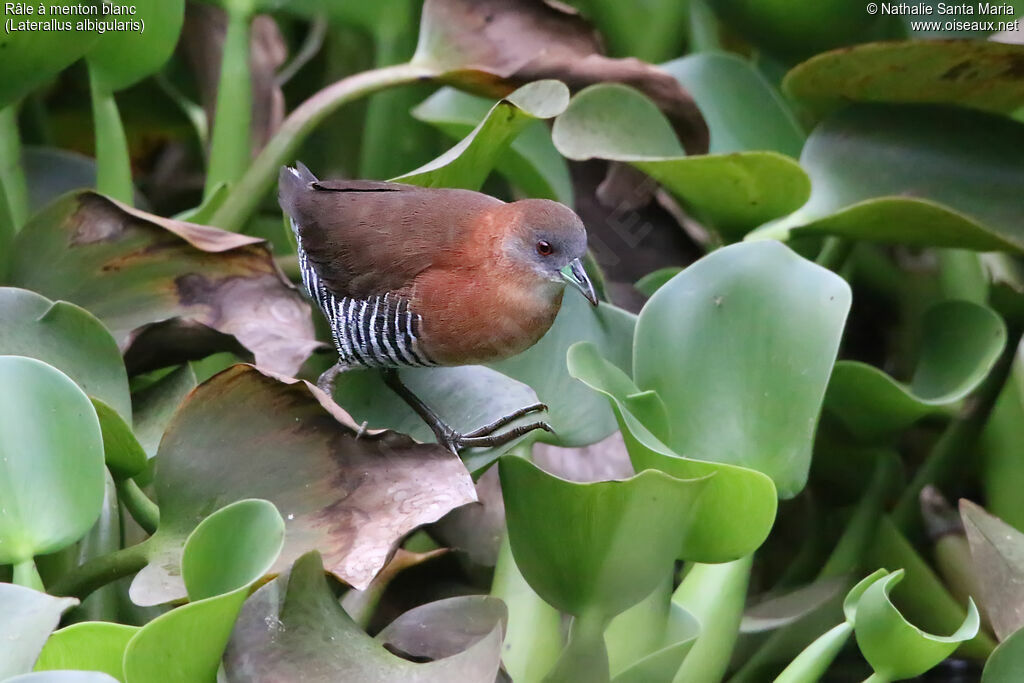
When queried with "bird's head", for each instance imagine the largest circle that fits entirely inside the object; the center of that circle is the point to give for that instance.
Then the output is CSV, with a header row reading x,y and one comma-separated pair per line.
x,y
549,239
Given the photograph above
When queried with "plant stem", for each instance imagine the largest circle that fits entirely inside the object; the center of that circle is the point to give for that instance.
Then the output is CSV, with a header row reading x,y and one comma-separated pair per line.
x,y
585,657
262,172
834,253
113,162
810,665
12,177
98,572
533,637
26,574
139,506
950,454
875,678
231,144
715,595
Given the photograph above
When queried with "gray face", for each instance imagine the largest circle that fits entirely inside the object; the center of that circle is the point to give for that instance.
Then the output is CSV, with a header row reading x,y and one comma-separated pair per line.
x,y
549,238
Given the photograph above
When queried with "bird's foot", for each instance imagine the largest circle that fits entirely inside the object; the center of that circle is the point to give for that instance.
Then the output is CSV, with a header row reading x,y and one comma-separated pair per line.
x,y
485,437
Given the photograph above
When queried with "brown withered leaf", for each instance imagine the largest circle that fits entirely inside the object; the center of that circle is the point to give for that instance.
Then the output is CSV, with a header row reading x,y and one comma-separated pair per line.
x,y
997,557
169,291
494,46
250,434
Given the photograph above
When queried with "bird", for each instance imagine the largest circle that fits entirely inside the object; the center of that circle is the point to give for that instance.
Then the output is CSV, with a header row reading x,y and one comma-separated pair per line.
x,y
410,276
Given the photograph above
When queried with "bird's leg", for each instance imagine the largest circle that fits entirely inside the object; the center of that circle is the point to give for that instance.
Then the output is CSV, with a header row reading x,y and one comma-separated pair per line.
x,y
326,381
453,440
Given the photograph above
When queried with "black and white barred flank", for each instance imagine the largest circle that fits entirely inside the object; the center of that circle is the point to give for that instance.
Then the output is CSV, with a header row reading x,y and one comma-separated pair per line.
x,y
378,332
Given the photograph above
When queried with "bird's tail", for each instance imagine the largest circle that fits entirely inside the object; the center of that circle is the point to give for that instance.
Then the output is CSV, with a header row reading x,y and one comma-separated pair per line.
x,y
291,182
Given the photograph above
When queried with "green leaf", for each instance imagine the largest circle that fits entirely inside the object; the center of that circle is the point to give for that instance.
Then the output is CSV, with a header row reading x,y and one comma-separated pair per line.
x,y
737,507
921,175
660,665
650,283
1002,470
155,406
997,559
894,647
32,57
796,28
224,556
743,110
580,418
732,396
468,163
293,629
122,451
617,539
26,619
972,73
961,341
89,646
731,192
168,291
531,162
651,35
62,677
150,44
70,339
1006,662
335,486
51,469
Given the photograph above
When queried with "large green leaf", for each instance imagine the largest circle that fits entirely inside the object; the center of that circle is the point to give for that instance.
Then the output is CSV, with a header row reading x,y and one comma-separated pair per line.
x,y
579,417
616,542
51,469
997,559
737,506
739,346
90,646
32,56
922,175
531,162
797,28
336,486
469,162
961,341
26,619
293,629
894,647
743,110
155,405
152,32
168,291
653,34
973,73
731,192
69,338
1006,662
72,340
1002,470
224,556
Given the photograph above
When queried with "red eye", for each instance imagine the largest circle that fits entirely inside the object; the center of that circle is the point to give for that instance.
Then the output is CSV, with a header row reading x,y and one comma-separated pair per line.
x,y
544,248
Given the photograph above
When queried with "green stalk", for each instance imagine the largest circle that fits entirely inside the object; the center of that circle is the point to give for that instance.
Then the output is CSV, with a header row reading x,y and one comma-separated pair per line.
x,y
834,253
98,572
12,177
139,506
113,162
26,574
262,172
951,455
640,630
584,657
715,595
811,664
533,638
876,678
231,144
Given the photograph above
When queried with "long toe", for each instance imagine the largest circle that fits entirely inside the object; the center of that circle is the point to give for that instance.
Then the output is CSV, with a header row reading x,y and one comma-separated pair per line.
x,y
494,440
506,420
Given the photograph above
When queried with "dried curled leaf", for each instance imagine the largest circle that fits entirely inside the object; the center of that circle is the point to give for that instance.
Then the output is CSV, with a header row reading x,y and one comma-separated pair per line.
x,y
168,290
249,434
493,46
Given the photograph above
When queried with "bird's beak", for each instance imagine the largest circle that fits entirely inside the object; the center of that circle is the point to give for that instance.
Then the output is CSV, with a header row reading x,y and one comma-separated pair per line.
x,y
577,277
